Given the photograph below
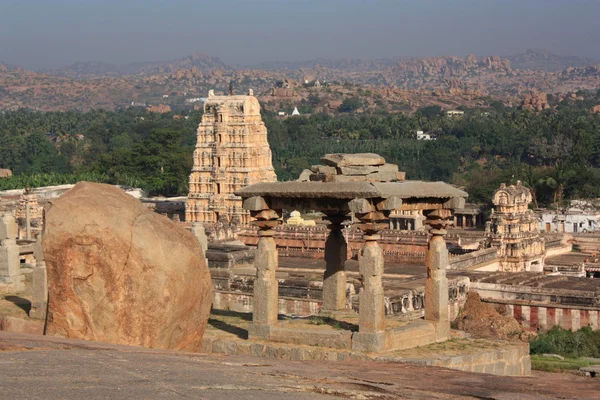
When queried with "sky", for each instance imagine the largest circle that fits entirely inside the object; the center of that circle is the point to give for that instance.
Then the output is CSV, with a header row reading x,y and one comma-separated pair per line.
x,y
40,34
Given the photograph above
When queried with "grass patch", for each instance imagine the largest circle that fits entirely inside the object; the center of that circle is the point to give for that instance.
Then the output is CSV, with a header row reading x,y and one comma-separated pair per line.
x,y
551,364
582,343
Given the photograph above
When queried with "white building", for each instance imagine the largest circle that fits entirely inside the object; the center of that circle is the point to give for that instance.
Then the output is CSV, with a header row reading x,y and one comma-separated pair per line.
x,y
569,221
425,136
455,113
295,112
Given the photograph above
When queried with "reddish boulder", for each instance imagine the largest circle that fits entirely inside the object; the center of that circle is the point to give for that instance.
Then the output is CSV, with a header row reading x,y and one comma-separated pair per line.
x,y
120,273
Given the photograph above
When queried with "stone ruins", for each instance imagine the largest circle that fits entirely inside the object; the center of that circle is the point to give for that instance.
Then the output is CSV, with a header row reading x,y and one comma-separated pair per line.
x,y
231,152
514,230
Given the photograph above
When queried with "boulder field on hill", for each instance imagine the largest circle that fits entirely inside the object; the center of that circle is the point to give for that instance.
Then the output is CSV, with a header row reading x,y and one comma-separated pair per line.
x,y
119,273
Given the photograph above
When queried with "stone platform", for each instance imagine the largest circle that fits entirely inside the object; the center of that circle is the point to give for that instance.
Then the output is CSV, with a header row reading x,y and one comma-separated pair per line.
x,y
328,339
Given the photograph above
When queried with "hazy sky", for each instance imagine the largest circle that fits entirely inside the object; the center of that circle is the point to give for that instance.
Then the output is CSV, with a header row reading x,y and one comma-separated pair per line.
x,y
52,33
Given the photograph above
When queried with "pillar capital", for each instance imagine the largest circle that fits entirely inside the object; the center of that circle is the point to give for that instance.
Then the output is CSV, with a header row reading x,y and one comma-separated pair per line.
x,y
335,221
439,220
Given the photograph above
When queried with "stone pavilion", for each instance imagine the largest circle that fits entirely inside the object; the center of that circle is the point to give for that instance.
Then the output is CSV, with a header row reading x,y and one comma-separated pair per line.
x,y
369,203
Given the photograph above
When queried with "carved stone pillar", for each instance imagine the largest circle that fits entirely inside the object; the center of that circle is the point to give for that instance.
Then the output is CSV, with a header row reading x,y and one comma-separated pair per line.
x,y
266,289
334,278
10,266
436,285
371,315
39,301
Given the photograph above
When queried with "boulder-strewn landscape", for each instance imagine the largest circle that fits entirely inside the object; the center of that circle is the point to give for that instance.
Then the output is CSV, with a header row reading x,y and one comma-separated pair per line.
x,y
404,83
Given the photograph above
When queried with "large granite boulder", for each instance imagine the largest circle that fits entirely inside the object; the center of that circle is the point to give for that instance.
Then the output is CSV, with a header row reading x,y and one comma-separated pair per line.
x,y
120,273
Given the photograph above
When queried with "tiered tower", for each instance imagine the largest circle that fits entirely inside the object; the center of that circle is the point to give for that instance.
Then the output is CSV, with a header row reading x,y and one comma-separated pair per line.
x,y
514,229
231,152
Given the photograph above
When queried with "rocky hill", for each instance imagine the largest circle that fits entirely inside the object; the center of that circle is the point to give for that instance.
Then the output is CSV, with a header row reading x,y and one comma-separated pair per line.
x,y
402,85
92,69
348,65
543,60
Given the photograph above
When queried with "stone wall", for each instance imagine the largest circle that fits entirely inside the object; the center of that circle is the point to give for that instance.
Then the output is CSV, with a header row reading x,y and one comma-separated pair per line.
x,y
474,259
544,317
309,242
508,360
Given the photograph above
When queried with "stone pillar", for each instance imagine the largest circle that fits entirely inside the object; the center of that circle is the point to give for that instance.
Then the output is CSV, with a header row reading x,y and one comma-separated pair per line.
x,y
27,222
266,289
436,284
334,278
199,232
474,220
371,335
39,302
10,266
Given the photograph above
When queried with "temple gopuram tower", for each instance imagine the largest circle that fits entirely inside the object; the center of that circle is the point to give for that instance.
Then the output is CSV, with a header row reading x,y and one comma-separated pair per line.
x,y
514,229
231,152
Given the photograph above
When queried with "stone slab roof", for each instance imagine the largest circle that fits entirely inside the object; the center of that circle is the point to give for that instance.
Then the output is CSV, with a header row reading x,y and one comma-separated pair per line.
x,y
352,190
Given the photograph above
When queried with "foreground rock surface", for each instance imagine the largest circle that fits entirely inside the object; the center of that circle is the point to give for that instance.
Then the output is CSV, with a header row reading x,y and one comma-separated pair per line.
x,y
120,273
72,369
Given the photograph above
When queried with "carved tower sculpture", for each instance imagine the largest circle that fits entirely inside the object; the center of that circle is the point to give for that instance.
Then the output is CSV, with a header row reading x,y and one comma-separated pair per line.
x,y
514,229
231,152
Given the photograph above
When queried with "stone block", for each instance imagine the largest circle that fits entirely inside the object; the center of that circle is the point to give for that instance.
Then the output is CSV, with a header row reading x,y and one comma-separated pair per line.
x,y
358,170
401,176
346,178
305,175
324,169
360,206
219,347
391,203
298,354
388,168
346,160
369,342
332,339
454,203
207,345
10,265
271,352
259,331
382,177
257,349
255,203
8,227
317,177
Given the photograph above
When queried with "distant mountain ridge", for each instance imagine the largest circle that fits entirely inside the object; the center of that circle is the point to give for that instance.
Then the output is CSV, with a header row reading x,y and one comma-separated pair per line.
x,y
346,64
532,59
543,60
94,69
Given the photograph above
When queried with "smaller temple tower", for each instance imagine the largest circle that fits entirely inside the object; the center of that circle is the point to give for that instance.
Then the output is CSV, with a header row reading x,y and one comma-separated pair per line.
x,y
514,229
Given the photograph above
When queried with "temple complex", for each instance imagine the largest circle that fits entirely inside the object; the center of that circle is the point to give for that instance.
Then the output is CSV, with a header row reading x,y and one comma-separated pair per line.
x,y
231,152
514,230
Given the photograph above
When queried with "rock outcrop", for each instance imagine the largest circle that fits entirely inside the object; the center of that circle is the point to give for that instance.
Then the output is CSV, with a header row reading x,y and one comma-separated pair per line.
x,y
119,273
483,321
161,109
535,102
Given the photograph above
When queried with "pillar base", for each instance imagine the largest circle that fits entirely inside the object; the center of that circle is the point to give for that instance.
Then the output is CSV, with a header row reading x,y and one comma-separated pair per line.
x,y
259,331
38,311
442,330
369,342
